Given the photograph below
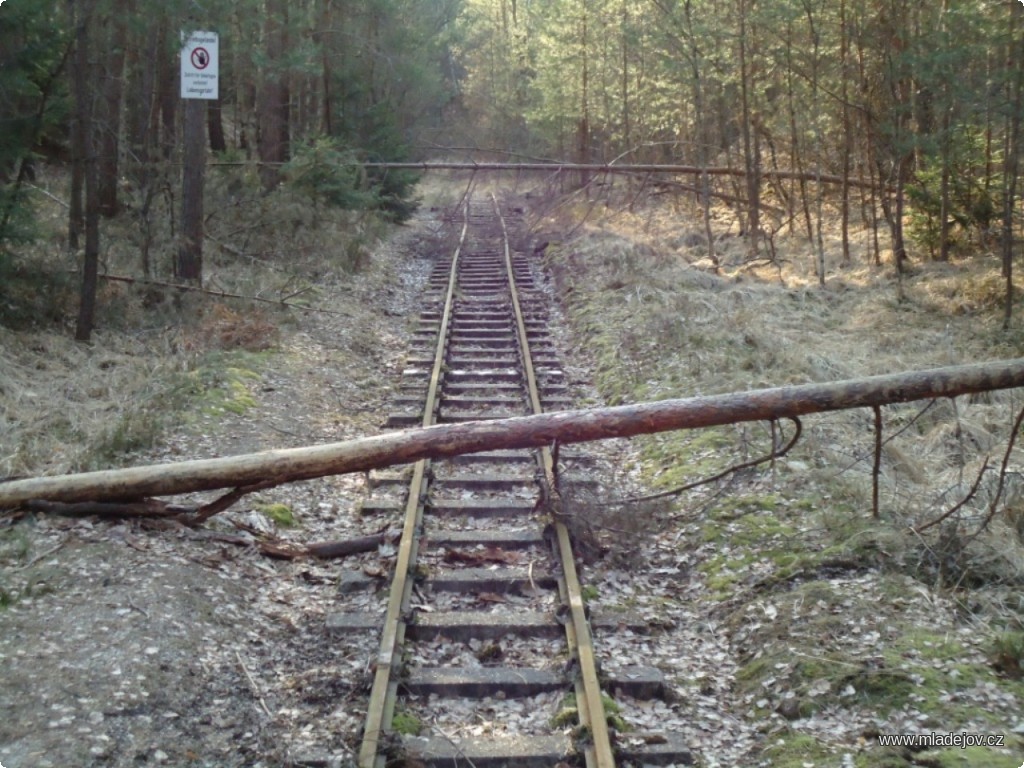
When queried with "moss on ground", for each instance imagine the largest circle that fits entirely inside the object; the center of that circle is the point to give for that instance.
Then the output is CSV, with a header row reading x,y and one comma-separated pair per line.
x,y
971,757
221,383
799,750
406,724
281,514
828,608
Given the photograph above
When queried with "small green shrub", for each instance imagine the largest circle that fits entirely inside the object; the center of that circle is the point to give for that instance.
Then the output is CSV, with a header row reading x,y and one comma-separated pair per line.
x,y
281,514
406,724
326,172
1007,654
973,201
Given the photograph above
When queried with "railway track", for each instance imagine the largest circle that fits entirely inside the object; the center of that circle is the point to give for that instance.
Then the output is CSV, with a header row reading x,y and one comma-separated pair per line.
x,y
487,649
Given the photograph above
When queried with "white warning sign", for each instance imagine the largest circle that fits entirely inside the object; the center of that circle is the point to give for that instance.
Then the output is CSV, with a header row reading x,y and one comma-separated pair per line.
x,y
200,65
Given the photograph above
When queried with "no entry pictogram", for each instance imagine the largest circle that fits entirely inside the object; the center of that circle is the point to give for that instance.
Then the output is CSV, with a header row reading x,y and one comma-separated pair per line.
x,y
200,58
200,65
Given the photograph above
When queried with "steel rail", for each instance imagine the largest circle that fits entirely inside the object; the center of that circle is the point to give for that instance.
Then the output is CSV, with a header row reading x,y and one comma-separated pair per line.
x,y
597,751
381,706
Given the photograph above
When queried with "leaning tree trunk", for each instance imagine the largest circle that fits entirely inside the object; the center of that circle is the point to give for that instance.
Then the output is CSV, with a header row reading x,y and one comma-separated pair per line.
x,y
260,470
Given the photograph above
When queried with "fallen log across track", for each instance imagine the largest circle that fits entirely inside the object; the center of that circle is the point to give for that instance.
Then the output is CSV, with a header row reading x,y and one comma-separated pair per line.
x,y
631,168
402,447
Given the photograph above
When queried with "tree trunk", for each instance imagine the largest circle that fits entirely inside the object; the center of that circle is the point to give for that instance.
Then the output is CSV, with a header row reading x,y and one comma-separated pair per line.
x,y
445,440
83,98
703,139
139,114
1015,93
794,142
215,125
750,159
326,122
273,106
583,126
168,76
844,77
189,264
79,124
109,118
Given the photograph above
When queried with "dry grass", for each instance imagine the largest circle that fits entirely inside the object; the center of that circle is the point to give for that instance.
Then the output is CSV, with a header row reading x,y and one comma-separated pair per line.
x,y
65,406
789,557
681,329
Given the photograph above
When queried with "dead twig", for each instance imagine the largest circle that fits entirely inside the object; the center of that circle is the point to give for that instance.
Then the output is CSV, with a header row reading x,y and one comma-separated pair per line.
x,y
218,505
775,454
42,555
994,506
223,294
956,507
876,469
255,687
859,458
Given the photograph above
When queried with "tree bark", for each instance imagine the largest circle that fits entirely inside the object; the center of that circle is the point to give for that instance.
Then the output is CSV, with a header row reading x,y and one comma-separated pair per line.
x,y
274,102
169,90
445,440
86,131
844,69
79,124
1015,90
189,264
215,126
109,122
751,160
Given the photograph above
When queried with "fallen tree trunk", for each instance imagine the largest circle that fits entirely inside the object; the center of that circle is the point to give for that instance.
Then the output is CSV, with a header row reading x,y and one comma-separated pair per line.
x,y
402,447
552,167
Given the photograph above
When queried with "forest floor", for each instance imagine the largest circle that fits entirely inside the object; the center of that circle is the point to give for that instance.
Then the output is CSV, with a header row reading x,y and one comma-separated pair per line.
x,y
819,628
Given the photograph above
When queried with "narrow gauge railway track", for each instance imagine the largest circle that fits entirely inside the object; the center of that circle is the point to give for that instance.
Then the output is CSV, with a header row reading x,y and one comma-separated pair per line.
x,y
485,603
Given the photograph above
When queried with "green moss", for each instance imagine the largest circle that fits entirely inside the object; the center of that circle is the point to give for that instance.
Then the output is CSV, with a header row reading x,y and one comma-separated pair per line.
x,y
1006,654
221,382
885,757
567,714
231,396
406,724
971,757
676,458
798,750
281,514
915,669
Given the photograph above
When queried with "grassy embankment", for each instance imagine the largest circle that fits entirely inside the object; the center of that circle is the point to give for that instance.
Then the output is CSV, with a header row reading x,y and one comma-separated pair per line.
x,y
844,626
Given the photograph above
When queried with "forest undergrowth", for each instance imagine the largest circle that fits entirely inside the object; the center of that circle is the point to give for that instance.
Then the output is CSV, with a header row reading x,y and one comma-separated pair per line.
x,y
846,626
157,644
160,351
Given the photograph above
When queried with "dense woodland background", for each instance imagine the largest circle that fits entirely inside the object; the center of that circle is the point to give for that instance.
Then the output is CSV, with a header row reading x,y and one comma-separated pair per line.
x,y
869,145
901,116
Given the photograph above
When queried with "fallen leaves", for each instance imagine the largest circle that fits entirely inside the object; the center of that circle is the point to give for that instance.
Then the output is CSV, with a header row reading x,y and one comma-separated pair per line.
x,y
477,559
